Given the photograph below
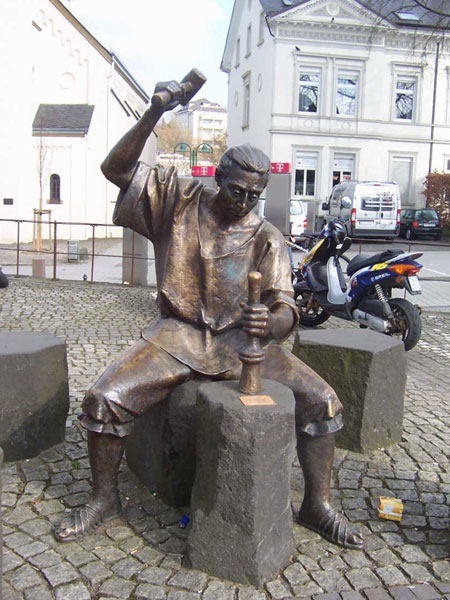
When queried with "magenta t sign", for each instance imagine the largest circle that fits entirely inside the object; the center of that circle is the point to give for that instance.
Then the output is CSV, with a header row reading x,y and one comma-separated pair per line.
x,y
199,171
280,167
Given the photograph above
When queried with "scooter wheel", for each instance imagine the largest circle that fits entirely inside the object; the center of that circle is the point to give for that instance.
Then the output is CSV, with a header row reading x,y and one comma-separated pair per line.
x,y
311,313
407,323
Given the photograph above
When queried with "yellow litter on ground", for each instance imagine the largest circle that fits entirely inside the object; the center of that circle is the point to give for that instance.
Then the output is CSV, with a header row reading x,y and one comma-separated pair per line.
x,y
390,508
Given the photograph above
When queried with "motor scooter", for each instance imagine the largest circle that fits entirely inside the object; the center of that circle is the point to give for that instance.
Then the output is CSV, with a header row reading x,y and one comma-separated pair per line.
x,y
327,283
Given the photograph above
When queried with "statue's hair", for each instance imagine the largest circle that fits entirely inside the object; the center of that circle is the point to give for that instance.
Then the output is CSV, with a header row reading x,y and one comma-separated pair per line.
x,y
247,158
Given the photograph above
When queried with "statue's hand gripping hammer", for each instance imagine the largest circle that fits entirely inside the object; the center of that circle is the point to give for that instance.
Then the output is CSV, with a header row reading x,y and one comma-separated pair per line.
x,y
253,355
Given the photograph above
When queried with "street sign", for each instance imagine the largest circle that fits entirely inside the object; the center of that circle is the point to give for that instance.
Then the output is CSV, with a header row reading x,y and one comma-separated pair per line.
x,y
280,167
201,171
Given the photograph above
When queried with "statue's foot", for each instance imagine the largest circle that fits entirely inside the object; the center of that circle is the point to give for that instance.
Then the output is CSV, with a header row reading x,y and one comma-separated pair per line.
x,y
83,520
335,528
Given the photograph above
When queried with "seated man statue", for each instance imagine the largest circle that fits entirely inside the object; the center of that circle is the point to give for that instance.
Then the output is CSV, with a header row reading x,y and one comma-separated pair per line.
x,y
205,245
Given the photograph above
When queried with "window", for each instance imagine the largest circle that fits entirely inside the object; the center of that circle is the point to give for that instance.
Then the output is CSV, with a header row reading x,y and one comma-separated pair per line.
x,y
249,40
405,95
246,113
308,93
238,52
8,201
343,168
346,96
305,174
262,27
55,189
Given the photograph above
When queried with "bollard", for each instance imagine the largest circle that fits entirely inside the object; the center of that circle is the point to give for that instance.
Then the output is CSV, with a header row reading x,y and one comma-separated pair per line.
x,y
38,267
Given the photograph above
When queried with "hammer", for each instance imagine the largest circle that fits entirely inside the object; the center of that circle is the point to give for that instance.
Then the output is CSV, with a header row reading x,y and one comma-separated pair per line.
x,y
190,84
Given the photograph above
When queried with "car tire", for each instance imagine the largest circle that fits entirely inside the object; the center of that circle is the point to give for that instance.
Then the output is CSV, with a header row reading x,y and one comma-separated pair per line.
x,y
438,236
409,235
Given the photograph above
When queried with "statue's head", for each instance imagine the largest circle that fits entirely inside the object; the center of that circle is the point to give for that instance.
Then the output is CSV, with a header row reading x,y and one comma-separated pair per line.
x,y
248,158
242,175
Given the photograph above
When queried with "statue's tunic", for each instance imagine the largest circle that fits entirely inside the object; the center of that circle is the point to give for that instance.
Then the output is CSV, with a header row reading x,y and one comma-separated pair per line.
x,y
200,295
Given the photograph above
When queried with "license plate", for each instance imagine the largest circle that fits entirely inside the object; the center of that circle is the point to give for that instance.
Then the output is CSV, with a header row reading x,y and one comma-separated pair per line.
x,y
429,225
415,284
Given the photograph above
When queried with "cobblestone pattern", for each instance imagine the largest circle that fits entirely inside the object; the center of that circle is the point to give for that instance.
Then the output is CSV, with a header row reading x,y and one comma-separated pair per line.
x,y
140,555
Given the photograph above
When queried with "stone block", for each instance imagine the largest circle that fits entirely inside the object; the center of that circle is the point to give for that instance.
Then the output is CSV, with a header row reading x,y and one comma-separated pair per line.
x,y
161,447
368,372
241,511
34,393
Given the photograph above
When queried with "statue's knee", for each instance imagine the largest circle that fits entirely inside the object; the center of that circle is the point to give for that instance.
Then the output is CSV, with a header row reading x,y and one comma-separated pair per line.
x,y
97,403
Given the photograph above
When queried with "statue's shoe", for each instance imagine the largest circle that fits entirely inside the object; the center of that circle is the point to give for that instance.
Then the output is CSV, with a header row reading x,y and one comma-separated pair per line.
x,y
81,521
335,528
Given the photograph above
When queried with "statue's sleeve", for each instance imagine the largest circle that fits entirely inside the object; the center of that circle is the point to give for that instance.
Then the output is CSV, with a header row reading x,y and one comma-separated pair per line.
x,y
147,205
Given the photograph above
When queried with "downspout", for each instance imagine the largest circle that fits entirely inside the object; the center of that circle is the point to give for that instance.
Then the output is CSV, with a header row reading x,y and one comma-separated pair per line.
x,y
109,79
433,109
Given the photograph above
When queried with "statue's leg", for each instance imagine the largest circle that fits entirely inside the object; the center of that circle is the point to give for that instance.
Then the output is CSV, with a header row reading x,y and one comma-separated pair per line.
x,y
143,376
318,417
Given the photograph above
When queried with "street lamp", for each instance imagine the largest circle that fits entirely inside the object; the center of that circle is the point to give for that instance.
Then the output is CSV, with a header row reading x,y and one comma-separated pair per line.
x,y
184,147
203,147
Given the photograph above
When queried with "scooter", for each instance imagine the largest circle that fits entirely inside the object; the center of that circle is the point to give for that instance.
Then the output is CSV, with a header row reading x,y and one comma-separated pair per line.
x,y
365,295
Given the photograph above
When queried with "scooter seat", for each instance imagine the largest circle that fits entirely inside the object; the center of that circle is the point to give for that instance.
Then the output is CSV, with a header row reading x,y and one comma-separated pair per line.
x,y
365,260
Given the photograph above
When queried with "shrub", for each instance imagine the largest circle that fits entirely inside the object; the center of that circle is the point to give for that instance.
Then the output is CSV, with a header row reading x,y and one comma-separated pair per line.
x,y
436,190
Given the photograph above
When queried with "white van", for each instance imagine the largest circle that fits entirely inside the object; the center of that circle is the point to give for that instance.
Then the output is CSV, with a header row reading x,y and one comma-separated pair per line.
x,y
370,209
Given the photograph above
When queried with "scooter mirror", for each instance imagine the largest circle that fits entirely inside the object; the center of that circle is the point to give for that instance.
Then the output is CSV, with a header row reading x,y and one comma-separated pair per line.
x,y
346,202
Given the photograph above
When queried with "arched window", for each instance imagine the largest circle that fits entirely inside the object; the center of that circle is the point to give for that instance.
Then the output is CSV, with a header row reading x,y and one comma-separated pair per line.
x,y
55,189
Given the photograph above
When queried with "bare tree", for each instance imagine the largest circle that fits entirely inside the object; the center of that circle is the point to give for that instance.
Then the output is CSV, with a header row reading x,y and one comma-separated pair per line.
x,y
42,166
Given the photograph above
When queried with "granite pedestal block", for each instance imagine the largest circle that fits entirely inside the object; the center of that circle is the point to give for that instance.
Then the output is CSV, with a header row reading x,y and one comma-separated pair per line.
x,y
241,512
34,393
368,372
161,448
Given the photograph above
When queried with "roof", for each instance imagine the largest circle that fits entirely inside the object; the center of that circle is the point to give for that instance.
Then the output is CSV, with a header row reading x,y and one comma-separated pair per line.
x,y
425,13
61,119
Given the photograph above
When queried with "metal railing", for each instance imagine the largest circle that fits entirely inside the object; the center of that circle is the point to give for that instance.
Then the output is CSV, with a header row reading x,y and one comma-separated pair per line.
x,y
18,248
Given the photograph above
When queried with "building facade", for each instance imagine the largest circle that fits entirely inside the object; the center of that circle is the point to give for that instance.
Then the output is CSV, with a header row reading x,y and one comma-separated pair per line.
x,y
203,119
70,102
341,91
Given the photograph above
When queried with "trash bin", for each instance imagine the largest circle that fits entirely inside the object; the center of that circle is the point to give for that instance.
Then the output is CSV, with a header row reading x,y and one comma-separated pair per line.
x,y
73,251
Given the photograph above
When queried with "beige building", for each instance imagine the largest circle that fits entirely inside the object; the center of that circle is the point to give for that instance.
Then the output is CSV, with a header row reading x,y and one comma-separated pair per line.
x,y
70,100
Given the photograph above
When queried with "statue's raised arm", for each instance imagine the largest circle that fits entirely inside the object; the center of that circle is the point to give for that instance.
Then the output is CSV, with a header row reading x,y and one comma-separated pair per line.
x,y
120,163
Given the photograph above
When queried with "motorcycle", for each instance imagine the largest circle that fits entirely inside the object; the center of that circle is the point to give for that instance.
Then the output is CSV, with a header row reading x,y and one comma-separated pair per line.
x,y
364,294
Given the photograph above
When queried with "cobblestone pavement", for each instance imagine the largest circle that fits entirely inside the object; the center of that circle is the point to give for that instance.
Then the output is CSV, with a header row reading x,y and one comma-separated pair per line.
x,y
139,556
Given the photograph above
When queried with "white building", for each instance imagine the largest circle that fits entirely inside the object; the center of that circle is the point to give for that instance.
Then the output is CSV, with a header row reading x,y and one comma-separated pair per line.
x,y
203,119
341,89
69,101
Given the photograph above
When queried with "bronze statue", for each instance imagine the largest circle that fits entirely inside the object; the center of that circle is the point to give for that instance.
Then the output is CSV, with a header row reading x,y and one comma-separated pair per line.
x,y
205,244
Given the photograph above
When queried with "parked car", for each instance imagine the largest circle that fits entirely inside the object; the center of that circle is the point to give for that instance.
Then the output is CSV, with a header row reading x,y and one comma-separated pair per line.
x,y
297,217
368,208
415,222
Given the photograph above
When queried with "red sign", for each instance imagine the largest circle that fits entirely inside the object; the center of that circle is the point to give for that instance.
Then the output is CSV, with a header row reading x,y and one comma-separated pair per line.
x,y
280,167
199,171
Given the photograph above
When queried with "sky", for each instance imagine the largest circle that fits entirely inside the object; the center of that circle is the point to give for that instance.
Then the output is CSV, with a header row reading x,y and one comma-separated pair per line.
x,y
160,40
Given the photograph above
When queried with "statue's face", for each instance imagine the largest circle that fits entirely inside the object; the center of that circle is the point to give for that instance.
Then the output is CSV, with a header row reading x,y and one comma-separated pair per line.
x,y
239,192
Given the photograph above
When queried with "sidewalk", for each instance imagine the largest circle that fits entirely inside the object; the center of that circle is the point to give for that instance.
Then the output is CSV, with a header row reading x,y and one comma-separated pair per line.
x,y
139,556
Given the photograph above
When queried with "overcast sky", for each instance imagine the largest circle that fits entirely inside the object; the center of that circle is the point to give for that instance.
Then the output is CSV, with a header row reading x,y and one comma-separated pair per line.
x,y
158,40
